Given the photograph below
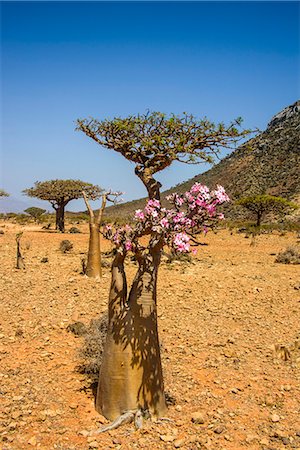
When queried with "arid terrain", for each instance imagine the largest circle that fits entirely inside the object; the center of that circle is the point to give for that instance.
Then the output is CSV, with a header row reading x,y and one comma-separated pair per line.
x,y
220,318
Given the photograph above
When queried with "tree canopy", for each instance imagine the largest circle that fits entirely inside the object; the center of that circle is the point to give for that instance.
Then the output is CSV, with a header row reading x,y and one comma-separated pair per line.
x,y
260,205
154,140
3,193
59,192
35,212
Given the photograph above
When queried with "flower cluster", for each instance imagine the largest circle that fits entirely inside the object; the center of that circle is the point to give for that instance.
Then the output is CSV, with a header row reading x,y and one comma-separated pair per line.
x,y
121,237
192,212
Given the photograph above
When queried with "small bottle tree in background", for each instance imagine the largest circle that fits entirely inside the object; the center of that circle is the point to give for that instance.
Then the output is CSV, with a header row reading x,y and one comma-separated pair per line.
x,y
131,374
59,193
93,267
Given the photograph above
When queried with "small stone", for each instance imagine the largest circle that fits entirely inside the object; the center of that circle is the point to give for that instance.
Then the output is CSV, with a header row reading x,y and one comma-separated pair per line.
x,y
167,437
250,438
227,437
178,408
84,433
298,433
93,444
178,443
219,430
275,418
264,441
234,391
198,418
16,414
73,405
285,441
32,441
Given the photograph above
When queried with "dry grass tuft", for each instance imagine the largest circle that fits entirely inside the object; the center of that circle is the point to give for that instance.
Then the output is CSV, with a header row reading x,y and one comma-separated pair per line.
x,y
92,348
289,256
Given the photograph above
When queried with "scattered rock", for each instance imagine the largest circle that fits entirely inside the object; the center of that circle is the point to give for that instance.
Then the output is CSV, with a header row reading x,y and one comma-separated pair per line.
x,y
167,437
275,418
32,441
198,418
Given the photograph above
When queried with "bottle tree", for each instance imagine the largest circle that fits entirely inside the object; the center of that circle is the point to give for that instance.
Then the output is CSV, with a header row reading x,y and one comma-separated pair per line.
x,y
93,267
60,192
131,374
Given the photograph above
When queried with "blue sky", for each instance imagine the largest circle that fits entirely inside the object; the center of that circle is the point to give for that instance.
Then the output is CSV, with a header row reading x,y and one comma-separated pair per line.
x,y
67,60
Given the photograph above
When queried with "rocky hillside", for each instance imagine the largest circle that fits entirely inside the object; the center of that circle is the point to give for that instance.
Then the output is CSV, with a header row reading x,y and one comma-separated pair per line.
x,y
268,163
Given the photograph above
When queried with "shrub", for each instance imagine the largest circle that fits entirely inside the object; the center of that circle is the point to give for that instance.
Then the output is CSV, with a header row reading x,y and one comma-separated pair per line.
x,y
65,246
92,348
74,230
290,256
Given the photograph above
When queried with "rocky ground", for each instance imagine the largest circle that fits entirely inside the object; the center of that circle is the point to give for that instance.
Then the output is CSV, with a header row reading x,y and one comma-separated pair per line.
x,y
229,326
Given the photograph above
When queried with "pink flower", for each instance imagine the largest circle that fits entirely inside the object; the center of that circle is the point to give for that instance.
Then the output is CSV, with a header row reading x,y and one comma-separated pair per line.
x,y
220,194
195,251
181,242
128,245
154,203
211,209
164,223
221,216
139,214
178,217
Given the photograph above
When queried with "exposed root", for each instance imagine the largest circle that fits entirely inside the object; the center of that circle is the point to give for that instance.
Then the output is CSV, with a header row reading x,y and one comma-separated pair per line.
x,y
135,416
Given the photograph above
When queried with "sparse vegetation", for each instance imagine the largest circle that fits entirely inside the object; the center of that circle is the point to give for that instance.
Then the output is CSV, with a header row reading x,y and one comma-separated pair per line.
x,y
65,246
92,349
74,230
289,256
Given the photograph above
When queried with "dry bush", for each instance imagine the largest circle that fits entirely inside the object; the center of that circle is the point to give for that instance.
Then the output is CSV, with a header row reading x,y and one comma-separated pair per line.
x,y
65,246
74,230
92,348
289,256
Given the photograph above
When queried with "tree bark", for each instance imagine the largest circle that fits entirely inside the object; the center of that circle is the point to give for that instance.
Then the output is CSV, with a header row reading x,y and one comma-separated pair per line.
x,y
93,267
60,217
131,372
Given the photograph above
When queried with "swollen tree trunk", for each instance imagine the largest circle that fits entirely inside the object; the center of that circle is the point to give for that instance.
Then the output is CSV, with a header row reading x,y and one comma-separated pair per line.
x,y
93,267
131,372
60,217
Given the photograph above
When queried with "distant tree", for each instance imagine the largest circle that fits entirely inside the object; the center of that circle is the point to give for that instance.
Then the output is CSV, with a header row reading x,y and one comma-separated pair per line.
x,y
60,192
3,193
93,267
35,212
131,375
260,205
